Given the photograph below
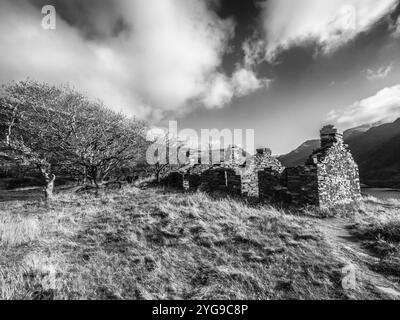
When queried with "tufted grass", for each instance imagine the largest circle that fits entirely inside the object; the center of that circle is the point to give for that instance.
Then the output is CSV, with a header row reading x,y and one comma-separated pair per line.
x,y
16,231
158,244
377,226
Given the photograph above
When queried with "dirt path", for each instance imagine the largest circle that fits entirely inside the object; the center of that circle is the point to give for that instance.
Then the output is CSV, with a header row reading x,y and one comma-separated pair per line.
x,y
368,284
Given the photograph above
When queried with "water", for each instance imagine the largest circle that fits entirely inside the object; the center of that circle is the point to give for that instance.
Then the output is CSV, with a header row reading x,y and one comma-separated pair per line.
x,y
381,193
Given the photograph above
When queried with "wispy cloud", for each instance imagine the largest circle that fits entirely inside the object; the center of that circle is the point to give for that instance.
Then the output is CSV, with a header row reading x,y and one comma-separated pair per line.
x,y
396,32
378,74
330,24
382,107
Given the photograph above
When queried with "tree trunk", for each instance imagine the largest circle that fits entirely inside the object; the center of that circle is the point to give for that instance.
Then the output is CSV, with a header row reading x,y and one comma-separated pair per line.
x,y
96,184
95,177
84,180
49,182
50,187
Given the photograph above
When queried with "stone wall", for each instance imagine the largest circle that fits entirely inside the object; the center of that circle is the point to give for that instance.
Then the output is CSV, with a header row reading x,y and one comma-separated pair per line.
x,y
223,176
272,187
250,177
302,185
330,177
338,177
187,178
222,179
175,180
241,179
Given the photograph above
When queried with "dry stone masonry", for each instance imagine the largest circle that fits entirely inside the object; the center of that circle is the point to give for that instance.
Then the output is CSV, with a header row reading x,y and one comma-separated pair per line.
x,y
329,177
187,178
338,177
240,177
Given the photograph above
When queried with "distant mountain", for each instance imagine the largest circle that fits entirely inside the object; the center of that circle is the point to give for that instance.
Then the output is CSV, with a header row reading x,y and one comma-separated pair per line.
x,y
352,133
299,156
376,149
377,153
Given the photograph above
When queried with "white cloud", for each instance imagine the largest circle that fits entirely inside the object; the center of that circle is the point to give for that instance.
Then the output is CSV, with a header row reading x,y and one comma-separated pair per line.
x,y
254,51
330,23
379,74
166,61
219,93
245,81
396,32
382,107
223,89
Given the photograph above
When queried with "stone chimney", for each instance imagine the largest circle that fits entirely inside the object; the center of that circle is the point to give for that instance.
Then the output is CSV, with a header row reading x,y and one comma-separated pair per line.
x,y
330,136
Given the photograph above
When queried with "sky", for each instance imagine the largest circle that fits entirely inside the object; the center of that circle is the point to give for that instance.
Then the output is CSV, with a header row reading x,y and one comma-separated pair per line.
x,y
281,67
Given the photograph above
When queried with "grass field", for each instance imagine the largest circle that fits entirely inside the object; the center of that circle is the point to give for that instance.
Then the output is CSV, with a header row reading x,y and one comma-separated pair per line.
x,y
379,231
158,244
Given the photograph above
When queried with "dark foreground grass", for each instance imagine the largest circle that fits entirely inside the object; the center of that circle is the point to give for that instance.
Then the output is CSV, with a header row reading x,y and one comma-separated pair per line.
x,y
154,244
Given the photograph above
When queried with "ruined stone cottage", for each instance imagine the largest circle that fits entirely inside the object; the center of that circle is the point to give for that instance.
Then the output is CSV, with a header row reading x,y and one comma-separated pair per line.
x,y
241,178
189,177
329,177
234,172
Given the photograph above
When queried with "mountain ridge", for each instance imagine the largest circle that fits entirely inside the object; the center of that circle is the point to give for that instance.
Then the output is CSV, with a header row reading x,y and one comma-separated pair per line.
x,y
376,149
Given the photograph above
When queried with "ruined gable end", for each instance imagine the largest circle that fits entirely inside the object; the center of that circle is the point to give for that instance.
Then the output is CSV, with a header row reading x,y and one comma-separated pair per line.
x,y
338,177
330,177
262,160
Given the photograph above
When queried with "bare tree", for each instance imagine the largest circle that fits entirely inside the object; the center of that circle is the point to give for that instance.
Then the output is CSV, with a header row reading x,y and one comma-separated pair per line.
x,y
104,142
165,164
57,127
25,136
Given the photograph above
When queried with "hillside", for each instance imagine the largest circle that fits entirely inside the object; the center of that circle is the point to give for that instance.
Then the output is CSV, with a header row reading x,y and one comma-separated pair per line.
x,y
375,149
299,156
354,132
156,244
377,153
